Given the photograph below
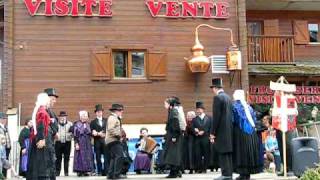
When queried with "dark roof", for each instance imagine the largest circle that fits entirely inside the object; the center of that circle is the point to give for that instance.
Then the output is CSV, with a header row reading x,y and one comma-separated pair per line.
x,y
294,69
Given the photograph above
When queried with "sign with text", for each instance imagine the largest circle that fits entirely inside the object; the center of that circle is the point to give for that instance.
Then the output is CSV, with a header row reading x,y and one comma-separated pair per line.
x,y
304,94
185,9
207,9
88,8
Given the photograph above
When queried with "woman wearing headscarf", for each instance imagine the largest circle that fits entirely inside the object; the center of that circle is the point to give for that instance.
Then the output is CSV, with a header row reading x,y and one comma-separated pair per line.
x,y
188,143
24,142
83,154
245,142
173,138
39,156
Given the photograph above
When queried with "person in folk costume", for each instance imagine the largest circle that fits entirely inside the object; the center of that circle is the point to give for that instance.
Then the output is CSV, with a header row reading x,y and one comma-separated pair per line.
x,y
201,129
53,130
142,161
98,127
83,154
24,142
113,142
63,143
188,143
182,125
40,162
5,132
126,163
173,139
245,140
222,128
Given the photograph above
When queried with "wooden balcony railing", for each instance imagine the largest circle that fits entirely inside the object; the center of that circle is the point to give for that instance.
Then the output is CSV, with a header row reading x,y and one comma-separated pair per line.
x,y
271,49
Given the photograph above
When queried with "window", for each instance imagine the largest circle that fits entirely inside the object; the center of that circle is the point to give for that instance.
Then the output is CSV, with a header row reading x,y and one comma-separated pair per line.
x,y
254,28
129,64
313,32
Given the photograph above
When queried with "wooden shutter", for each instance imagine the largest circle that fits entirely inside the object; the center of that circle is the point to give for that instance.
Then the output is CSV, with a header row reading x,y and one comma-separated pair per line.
x,y
301,32
101,65
271,27
157,65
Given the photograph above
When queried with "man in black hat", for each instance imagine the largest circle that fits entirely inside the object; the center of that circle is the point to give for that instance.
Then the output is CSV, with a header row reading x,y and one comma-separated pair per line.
x,y
113,141
63,143
52,132
4,131
201,128
98,127
222,128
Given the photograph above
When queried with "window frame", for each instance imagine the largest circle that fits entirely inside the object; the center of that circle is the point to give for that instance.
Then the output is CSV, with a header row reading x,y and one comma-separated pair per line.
x,y
129,64
318,35
258,22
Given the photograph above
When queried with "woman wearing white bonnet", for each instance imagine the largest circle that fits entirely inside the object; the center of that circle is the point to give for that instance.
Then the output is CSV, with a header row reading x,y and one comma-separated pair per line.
x,y
83,159
246,147
39,136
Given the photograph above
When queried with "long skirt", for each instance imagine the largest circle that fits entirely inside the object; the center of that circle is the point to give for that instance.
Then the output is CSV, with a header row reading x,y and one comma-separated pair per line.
x,y
142,161
246,150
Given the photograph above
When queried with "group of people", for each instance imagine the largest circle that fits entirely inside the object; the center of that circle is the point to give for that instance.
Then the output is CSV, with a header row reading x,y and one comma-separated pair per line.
x,y
46,140
228,140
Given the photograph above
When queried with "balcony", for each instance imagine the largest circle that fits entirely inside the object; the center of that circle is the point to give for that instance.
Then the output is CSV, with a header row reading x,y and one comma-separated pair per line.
x,y
283,5
267,49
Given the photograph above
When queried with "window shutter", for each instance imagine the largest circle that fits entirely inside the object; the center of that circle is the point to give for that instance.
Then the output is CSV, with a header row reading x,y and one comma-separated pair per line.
x,y
157,65
271,27
101,65
219,64
301,32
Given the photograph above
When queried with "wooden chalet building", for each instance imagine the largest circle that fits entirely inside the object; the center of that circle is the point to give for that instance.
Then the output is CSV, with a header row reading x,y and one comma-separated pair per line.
x,y
115,51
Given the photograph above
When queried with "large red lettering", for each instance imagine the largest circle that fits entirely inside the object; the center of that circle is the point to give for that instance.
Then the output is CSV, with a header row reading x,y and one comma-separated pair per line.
x,y
32,7
189,9
48,10
88,6
154,7
207,6
172,9
62,8
105,8
221,10
75,8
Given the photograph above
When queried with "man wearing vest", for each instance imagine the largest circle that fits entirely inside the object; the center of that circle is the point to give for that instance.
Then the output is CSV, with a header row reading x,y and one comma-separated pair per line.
x,y
63,143
113,137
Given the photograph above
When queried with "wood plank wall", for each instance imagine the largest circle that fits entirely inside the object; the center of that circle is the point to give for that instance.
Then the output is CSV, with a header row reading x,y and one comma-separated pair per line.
x,y
302,52
57,50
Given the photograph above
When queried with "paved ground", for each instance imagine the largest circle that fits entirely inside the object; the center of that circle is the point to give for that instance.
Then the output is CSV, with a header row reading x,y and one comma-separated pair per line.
x,y
263,176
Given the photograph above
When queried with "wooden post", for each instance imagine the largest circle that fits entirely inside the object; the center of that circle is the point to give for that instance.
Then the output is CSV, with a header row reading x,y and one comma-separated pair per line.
x,y
284,148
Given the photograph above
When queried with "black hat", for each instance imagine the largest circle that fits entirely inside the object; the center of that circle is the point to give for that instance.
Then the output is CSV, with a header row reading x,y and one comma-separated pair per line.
x,y
199,104
116,107
63,113
3,115
51,92
216,82
99,108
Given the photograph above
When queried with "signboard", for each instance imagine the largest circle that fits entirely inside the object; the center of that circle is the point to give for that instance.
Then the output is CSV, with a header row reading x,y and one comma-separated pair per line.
x,y
303,94
207,9
184,9
101,8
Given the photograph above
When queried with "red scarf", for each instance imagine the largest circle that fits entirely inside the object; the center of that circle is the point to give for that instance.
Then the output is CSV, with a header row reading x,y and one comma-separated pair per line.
x,y
42,117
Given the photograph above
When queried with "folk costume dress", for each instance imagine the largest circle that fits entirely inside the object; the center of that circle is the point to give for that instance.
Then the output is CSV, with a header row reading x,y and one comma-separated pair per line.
x,y
39,166
83,158
245,141
24,142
